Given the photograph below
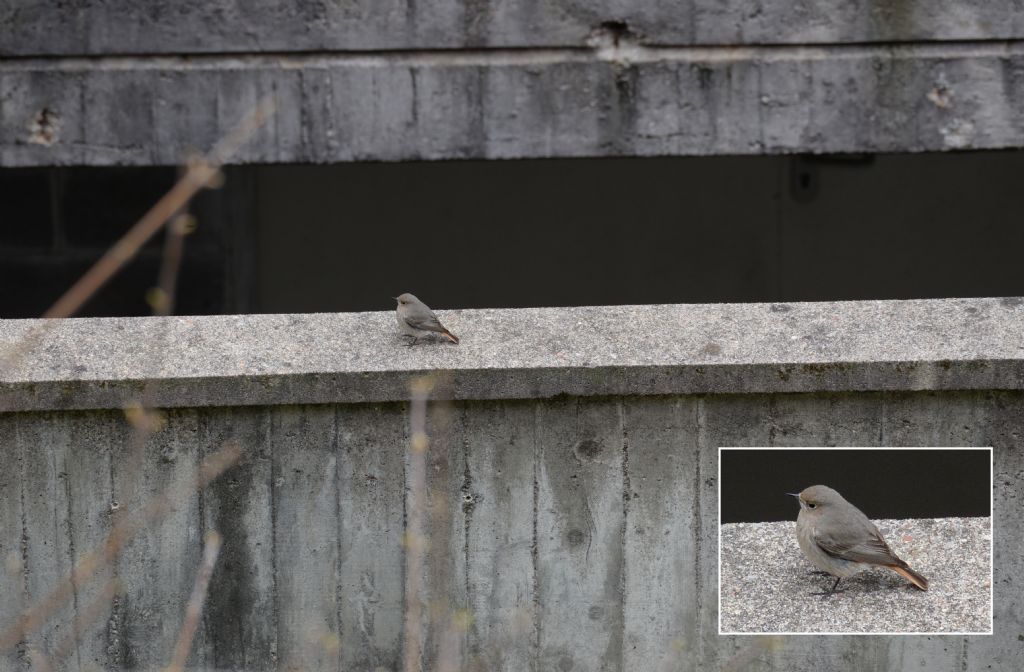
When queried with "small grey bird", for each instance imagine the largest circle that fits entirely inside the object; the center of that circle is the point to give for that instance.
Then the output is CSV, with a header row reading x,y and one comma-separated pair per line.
x,y
417,321
840,540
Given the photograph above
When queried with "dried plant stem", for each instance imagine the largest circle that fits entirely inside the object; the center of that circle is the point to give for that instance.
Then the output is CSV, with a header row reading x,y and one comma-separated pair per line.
x,y
415,538
81,620
102,555
200,173
195,603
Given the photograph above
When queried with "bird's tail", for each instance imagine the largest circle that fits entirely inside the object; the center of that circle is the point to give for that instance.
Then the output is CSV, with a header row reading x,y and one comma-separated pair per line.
x,y
910,575
451,337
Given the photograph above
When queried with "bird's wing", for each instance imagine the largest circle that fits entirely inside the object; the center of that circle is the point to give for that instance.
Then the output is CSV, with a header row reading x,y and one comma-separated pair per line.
x,y
425,321
860,544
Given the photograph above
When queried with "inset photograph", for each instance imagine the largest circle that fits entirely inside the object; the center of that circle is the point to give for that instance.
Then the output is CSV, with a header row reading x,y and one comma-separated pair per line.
x,y
855,540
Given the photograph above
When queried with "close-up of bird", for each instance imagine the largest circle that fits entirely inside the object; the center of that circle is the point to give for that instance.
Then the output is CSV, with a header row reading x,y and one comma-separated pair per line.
x,y
417,321
840,540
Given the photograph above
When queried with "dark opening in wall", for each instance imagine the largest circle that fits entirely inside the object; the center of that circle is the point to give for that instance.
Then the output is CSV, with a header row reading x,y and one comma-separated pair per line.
x,y
533,233
881,482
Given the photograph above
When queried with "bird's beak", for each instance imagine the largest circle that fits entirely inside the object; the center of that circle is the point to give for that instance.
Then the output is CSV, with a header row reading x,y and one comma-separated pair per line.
x,y
794,494
395,298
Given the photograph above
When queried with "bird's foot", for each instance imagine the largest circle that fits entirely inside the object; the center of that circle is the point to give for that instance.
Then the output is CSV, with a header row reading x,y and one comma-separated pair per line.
x,y
832,589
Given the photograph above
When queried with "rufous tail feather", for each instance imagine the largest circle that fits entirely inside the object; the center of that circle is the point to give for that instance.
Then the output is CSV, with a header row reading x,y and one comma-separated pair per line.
x,y
910,575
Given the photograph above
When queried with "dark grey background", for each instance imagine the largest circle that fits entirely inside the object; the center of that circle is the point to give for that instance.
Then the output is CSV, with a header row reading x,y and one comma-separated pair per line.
x,y
883,483
462,234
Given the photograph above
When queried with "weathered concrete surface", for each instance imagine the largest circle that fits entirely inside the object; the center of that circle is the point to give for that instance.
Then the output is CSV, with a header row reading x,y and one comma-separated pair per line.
x,y
513,354
766,584
616,99
571,533
159,26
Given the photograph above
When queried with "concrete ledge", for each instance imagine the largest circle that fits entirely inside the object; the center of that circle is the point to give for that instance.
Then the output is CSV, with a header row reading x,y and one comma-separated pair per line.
x,y
955,344
162,26
766,582
618,99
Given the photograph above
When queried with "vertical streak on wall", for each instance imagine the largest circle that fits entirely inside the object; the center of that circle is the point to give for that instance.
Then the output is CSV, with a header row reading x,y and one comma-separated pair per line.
x,y
500,593
579,534
11,570
535,663
240,614
371,451
705,484
661,536
306,527
92,438
157,567
443,587
47,550
445,583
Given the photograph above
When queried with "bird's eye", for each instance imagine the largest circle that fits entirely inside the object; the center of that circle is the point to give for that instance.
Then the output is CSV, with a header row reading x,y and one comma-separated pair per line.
x,y
811,505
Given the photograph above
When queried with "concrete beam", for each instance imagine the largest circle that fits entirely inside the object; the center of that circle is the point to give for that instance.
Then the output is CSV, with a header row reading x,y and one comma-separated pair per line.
x,y
220,26
951,344
618,99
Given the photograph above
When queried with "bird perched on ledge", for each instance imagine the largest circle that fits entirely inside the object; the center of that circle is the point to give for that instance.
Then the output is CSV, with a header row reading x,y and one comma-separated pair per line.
x,y
840,540
416,320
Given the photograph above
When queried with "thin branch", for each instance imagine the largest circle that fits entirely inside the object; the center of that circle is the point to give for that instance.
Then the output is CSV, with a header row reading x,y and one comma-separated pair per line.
x,y
195,603
200,173
415,539
101,555
82,619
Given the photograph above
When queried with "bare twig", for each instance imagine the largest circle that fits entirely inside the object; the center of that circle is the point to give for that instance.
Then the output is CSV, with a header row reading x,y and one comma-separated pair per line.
x,y
199,174
415,539
182,224
101,555
82,619
143,419
195,603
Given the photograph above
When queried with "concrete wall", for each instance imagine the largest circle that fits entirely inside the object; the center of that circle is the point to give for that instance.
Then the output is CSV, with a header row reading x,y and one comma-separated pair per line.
x,y
131,27
572,506
141,83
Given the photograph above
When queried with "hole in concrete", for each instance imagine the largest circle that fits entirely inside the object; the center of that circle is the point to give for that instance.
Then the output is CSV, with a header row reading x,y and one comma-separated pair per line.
x,y
44,128
615,30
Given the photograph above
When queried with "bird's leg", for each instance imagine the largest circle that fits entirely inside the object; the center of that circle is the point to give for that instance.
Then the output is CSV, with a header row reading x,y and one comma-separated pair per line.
x,y
833,589
818,572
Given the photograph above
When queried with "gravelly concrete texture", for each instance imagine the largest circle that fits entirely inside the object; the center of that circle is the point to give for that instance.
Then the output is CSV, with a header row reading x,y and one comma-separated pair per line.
x,y
766,583
515,354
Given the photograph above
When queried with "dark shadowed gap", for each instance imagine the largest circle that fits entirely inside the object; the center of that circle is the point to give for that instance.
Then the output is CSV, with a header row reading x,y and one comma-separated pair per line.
x,y
468,234
883,483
